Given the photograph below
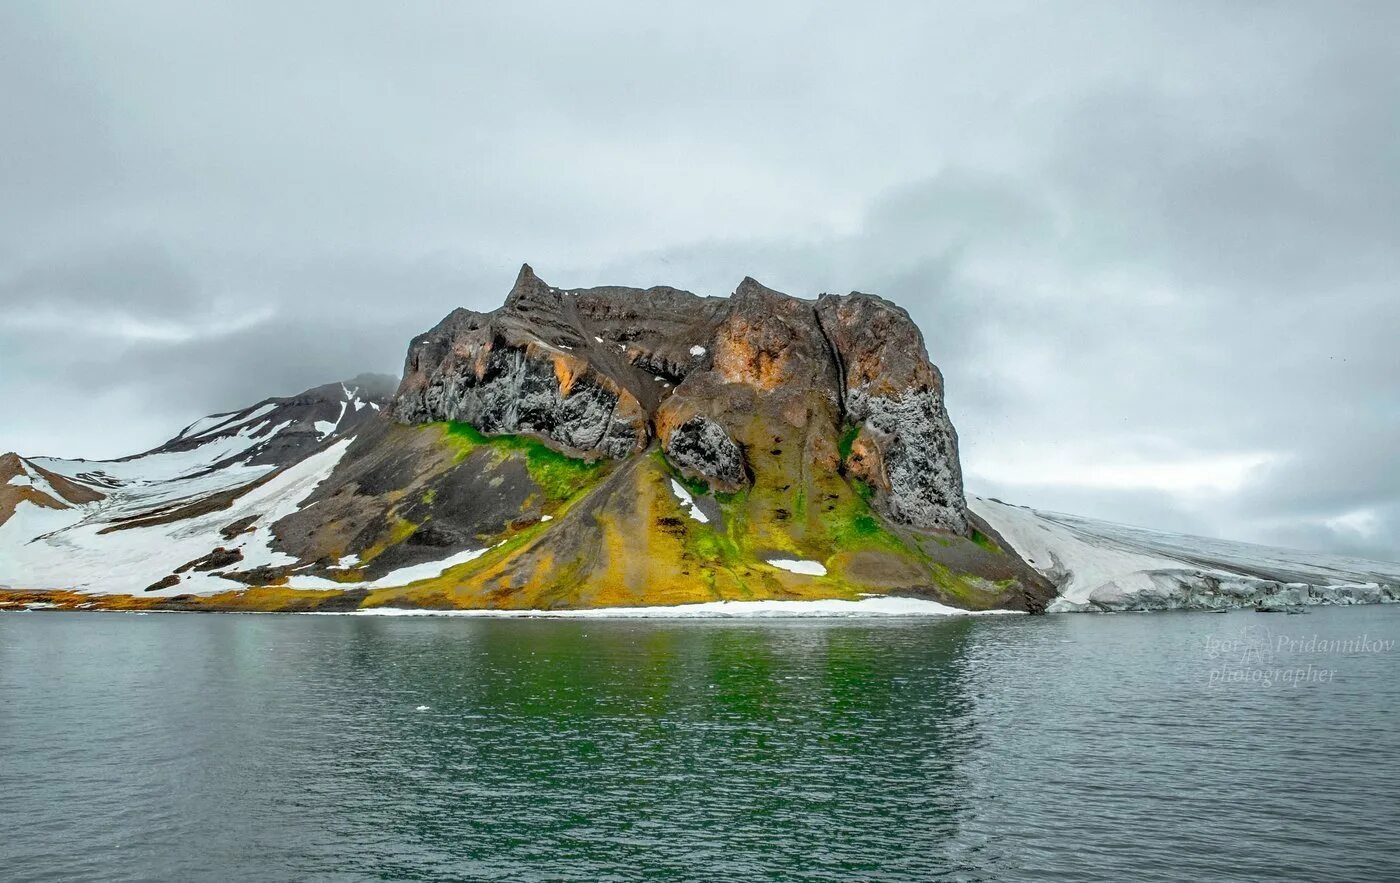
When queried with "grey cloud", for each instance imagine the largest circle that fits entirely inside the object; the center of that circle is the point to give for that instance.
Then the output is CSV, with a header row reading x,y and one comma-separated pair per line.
x,y
1156,233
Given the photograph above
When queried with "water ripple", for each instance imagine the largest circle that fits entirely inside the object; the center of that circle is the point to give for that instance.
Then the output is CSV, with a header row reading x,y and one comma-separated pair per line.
x,y
1054,748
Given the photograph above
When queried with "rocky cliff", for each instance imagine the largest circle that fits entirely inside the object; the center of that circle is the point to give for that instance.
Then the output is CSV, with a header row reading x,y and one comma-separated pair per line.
x,y
845,382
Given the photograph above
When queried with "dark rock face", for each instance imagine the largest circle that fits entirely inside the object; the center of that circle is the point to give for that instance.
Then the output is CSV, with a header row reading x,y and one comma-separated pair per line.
x,y
907,447
514,392
394,475
603,371
236,528
527,367
915,458
701,448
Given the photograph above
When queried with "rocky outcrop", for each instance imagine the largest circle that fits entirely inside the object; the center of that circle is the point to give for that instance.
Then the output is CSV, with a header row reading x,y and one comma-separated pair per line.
x,y
506,389
528,367
701,448
905,445
603,371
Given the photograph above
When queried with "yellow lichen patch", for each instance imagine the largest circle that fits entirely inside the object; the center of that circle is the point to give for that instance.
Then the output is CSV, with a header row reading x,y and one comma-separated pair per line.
x,y
63,599
635,547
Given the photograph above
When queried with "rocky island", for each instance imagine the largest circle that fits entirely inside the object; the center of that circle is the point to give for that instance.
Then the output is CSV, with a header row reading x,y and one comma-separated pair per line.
x,y
604,448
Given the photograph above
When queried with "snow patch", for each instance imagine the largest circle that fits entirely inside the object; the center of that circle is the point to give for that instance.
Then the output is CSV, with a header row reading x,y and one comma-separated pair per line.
x,y
204,424
234,421
697,350
401,577
792,565
688,502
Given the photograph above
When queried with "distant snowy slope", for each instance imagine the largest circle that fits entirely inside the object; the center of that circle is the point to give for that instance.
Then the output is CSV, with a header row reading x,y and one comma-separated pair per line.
x,y
1098,565
122,525
84,550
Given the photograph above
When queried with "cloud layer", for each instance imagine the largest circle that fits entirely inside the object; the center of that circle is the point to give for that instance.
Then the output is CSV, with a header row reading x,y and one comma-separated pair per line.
x,y
1151,245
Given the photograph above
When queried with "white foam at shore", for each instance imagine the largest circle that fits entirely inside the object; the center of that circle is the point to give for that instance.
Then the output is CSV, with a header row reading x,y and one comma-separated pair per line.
x,y
865,607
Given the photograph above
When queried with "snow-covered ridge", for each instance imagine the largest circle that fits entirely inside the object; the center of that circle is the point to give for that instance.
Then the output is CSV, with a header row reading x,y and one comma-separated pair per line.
x,y
1098,565
203,426
44,548
139,518
165,478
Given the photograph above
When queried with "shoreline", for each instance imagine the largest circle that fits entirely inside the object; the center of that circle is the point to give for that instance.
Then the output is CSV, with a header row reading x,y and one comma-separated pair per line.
x,y
876,607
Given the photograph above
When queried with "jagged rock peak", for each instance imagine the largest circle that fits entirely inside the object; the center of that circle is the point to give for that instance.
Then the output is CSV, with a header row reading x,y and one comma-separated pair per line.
x,y
530,290
603,371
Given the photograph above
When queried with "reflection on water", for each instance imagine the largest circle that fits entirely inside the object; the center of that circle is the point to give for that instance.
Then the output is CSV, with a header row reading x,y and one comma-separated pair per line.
x,y
276,747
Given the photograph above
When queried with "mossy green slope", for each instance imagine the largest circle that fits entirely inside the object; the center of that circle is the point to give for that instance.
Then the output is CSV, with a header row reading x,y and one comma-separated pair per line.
x,y
621,536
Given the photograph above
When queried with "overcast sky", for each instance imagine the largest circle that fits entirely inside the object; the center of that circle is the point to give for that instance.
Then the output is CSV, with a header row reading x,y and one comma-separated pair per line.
x,y
1153,246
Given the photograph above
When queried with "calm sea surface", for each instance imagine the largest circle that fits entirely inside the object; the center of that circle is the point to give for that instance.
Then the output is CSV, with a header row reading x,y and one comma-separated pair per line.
x,y
1131,747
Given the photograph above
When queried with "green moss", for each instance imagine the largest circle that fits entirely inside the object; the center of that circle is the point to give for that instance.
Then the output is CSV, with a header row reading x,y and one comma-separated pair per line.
x,y
853,524
696,486
971,592
711,547
558,475
985,541
462,436
847,441
863,490
736,498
